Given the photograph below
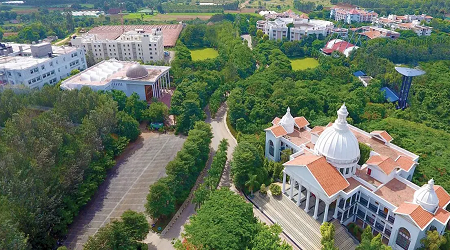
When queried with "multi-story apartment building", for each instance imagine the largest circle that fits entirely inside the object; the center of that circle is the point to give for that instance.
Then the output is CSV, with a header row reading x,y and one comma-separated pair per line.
x,y
407,22
325,173
352,15
301,27
130,46
38,64
373,32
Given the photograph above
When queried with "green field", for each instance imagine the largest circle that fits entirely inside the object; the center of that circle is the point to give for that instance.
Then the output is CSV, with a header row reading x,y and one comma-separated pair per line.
x,y
304,63
202,54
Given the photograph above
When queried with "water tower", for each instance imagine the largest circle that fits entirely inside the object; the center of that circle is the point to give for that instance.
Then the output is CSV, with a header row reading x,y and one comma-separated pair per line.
x,y
408,75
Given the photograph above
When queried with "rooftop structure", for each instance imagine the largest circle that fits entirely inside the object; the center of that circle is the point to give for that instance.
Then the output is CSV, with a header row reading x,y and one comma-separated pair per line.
x,y
34,65
137,44
339,45
408,75
350,15
373,32
146,80
324,167
89,13
278,29
407,22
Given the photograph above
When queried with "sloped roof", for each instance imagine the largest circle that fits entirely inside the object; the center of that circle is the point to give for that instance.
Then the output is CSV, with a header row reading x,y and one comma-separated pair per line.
x,y
301,122
328,176
317,130
385,163
383,134
277,130
276,120
443,196
421,216
405,163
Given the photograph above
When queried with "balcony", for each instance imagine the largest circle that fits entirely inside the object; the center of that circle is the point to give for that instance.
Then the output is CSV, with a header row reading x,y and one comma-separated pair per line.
x,y
360,214
391,219
379,227
382,214
387,232
373,208
363,202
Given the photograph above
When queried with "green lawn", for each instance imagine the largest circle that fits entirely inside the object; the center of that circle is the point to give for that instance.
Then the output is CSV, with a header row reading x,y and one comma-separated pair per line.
x,y
202,54
304,63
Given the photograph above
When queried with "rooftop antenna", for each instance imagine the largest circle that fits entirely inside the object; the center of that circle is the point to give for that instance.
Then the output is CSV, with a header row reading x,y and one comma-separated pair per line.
x,y
408,75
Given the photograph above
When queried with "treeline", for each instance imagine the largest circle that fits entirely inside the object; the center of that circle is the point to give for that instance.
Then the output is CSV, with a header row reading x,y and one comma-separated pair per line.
x,y
188,8
304,6
56,147
201,82
182,172
227,215
403,7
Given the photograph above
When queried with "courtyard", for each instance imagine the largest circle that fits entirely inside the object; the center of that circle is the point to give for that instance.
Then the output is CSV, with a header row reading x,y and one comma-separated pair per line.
x,y
126,186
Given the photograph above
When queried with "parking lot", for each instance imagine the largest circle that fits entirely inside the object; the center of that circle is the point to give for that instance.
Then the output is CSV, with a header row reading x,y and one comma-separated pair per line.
x,y
126,186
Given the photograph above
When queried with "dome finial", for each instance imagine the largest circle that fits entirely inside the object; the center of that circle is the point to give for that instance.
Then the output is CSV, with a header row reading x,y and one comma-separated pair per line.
x,y
341,121
431,183
287,121
288,110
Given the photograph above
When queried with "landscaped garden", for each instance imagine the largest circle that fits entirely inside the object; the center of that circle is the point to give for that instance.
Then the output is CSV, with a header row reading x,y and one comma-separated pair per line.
x,y
203,54
304,63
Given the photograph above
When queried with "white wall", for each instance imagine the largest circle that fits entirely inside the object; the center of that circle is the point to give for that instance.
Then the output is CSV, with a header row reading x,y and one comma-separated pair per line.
x,y
277,145
139,89
414,231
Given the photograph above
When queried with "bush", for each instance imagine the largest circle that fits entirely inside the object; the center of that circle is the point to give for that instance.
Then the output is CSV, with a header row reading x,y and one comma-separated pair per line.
x,y
262,189
275,189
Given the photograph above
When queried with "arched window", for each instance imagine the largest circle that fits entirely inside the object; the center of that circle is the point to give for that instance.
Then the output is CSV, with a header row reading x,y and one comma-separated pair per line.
x,y
346,170
271,148
403,238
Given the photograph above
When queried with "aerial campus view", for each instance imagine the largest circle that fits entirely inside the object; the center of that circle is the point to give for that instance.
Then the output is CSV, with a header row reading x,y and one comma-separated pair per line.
x,y
275,124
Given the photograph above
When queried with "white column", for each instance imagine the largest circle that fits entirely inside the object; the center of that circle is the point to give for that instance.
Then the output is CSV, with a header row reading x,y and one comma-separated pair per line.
x,y
368,202
308,193
168,77
316,208
359,197
299,194
284,182
387,215
345,203
336,209
384,228
325,215
291,193
351,200
342,218
167,80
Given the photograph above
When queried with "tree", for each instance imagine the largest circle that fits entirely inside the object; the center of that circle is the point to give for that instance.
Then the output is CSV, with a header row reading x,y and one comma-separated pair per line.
x,y
121,234
327,232
201,195
252,182
127,126
157,112
246,162
12,237
268,238
134,106
433,240
364,153
160,200
259,34
368,242
285,154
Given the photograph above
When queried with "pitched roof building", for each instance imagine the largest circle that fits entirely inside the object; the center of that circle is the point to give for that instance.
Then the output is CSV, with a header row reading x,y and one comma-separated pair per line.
x,y
324,172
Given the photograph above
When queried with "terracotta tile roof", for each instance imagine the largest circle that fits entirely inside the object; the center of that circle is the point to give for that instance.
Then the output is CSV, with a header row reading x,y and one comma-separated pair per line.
x,y
442,215
299,137
276,120
363,175
301,122
385,163
303,160
317,130
396,192
405,163
383,134
419,215
443,196
328,176
354,184
277,130
310,145
372,34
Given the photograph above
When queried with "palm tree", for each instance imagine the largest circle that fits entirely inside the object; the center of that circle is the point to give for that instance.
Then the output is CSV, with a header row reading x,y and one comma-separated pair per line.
x,y
251,183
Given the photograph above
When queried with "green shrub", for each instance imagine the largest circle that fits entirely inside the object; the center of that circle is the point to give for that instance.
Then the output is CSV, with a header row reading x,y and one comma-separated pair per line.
x,y
262,189
275,189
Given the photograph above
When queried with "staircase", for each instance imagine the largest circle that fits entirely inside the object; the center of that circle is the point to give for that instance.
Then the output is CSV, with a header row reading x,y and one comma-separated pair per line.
x,y
342,238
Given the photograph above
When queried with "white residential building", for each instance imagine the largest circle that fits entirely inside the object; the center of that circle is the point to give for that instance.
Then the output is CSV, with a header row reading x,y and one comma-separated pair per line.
x,y
130,77
354,15
38,64
301,27
325,177
130,46
407,22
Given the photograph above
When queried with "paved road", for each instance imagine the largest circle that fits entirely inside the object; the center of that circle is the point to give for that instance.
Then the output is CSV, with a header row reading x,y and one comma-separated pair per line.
x,y
249,40
126,186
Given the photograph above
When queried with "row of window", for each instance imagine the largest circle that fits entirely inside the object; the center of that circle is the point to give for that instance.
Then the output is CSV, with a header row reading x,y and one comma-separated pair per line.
x,y
76,62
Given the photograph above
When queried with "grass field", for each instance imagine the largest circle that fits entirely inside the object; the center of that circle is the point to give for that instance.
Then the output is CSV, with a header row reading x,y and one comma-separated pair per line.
x,y
304,63
169,16
202,54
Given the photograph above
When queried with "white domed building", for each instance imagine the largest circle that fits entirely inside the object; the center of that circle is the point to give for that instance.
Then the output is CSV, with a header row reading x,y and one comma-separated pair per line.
x,y
328,182
147,81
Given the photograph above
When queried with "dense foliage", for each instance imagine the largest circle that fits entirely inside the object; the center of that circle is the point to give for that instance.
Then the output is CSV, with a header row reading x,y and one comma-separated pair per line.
x,y
121,234
327,231
56,147
182,172
226,221
369,242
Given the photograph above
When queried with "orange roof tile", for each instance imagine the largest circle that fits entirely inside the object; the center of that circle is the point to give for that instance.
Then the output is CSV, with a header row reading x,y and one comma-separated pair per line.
x,y
383,134
405,163
276,120
421,216
304,16
277,130
301,122
372,34
328,176
303,160
396,192
317,130
385,163
442,215
354,184
443,196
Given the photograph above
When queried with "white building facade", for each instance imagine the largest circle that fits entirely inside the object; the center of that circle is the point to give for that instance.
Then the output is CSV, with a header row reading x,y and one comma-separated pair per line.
x,y
301,27
406,22
352,15
325,176
35,65
130,46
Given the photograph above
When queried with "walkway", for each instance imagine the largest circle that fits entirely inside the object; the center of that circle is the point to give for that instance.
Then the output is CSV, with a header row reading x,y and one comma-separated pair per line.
x,y
126,186
299,225
249,40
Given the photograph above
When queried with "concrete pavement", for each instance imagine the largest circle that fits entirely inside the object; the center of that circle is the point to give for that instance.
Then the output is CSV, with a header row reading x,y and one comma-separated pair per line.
x,y
249,40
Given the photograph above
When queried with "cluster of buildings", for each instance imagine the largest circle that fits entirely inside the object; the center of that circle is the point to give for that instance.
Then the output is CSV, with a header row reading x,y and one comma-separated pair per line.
x,y
339,45
38,64
130,77
88,13
325,177
407,22
352,15
289,25
373,32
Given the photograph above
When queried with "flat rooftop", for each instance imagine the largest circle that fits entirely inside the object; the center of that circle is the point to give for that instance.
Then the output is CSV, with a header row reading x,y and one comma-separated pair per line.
x,y
112,32
396,192
20,62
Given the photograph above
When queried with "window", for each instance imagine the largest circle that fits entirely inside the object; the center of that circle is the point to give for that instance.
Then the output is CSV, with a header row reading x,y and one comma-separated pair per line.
x,y
346,170
271,148
369,171
403,238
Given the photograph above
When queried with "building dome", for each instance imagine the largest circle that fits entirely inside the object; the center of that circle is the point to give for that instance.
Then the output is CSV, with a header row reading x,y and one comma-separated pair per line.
x,y
137,71
287,121
337,143
427,197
